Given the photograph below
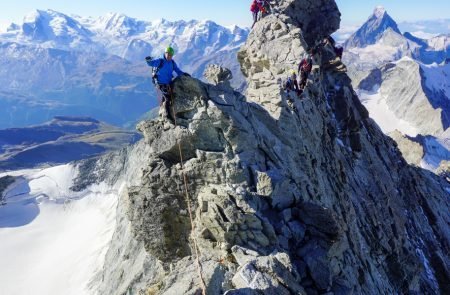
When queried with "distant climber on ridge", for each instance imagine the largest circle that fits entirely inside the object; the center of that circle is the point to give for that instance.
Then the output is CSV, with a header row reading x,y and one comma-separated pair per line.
x,y
304,68
291,85
162,76
259,9
254,8
264,8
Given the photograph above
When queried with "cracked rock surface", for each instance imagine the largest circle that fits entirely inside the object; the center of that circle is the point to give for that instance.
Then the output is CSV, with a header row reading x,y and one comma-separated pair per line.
x,y
284,200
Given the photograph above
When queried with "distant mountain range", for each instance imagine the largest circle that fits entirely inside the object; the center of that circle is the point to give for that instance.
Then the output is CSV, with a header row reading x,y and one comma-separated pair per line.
x,y
424,29
59,141
55,64
404,82
381,39
123,36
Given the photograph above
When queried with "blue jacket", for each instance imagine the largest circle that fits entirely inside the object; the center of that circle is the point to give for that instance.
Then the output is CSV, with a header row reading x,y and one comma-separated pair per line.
x,y
165,73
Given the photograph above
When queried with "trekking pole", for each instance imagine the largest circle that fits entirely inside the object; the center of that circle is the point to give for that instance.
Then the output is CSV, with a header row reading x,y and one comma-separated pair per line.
x,y
186,191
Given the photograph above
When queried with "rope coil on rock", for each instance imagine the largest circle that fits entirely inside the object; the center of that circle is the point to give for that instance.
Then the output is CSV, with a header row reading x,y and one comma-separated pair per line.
x,y
188,201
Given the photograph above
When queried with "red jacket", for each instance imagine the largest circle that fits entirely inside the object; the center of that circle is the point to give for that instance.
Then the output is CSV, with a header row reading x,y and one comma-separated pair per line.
x,y
305,65
254,7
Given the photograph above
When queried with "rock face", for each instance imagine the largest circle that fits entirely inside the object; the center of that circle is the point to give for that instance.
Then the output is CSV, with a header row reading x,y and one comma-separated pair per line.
x,y
216,74
284,201
4,183
403,85
412,151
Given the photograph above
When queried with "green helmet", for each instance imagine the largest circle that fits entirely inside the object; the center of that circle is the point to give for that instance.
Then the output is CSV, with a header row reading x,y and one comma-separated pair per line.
x,y
170,51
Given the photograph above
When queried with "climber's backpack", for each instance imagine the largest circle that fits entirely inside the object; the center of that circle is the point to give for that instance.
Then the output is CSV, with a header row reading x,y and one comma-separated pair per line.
x,y
306,65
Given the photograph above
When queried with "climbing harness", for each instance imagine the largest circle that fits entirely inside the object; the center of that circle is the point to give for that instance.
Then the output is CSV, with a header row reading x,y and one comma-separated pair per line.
x,y
188,201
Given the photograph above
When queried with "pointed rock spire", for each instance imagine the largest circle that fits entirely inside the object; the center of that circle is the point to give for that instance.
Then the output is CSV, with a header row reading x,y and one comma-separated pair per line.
x,y
373,29
379,11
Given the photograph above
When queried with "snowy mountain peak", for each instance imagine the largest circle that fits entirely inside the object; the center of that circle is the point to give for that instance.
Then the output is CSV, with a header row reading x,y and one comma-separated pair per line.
x,y
53,26
372,30
115,20
379,11
12,27
160,21
117,24
32,16
38,15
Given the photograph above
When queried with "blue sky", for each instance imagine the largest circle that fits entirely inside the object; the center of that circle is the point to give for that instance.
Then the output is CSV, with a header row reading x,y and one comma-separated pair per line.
x,y
224,12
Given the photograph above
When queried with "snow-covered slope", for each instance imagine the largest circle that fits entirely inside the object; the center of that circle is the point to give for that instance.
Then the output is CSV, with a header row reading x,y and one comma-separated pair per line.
x,y
54,240
437,79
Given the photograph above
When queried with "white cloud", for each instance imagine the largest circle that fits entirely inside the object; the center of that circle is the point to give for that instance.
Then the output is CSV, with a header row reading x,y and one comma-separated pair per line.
x,y
350,29
3,26
419,27
424,35
344,32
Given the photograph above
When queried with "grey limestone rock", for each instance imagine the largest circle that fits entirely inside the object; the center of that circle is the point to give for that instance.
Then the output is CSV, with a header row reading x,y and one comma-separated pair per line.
x,y
282,202
412,151
216,74
269,274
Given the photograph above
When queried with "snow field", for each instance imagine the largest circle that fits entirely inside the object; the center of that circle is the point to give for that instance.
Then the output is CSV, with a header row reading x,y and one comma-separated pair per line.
x,y
54,241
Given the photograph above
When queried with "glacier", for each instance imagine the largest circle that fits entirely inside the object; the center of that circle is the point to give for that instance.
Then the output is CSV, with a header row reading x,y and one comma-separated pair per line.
x,y
54,240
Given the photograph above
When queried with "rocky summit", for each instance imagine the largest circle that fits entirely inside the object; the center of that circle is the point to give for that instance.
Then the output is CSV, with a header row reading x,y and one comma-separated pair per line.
x,y
308,198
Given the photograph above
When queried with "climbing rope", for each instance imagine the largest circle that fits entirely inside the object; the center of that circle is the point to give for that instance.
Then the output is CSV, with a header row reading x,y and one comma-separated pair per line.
x,y
188,201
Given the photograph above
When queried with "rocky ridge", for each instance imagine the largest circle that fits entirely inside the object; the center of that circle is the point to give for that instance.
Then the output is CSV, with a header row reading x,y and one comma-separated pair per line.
x,y
285,200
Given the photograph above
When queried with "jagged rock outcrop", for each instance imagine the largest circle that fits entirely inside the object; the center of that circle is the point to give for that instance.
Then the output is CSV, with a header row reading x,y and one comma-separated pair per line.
x,y
309,200
216,74
276,45
412,151
4,183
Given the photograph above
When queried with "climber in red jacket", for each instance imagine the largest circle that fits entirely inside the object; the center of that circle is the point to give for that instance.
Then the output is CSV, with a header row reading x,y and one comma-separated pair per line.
x,y
304,68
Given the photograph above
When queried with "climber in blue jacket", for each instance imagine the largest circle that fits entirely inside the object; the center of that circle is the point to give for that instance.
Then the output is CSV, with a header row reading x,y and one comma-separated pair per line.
x,y
162,76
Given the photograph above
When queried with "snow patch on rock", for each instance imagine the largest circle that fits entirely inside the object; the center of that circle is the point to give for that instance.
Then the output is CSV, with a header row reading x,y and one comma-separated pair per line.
x,y
380,112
